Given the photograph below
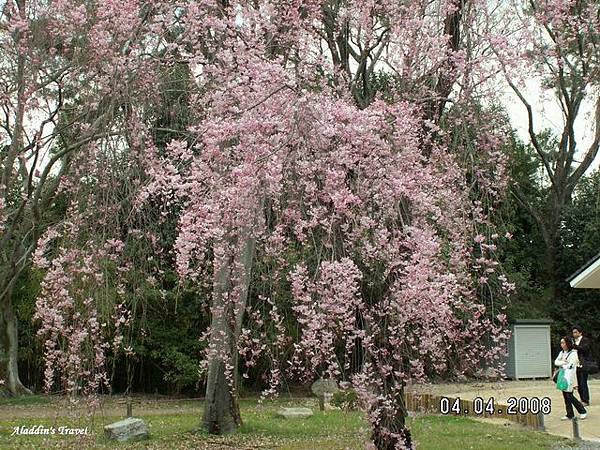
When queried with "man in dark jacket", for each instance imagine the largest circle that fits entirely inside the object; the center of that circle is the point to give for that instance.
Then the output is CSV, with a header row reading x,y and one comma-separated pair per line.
x,y
582,345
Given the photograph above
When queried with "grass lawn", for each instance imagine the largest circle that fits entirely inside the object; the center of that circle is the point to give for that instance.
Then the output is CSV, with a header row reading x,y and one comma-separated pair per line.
x,y
333,430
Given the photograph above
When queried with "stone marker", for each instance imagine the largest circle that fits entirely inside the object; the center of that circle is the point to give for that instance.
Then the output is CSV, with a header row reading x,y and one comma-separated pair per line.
x,y
293,413
322,389
327,397
130,429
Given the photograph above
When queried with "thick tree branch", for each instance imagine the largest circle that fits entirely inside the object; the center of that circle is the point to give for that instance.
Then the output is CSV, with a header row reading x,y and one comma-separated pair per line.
x,y
591,152
534,140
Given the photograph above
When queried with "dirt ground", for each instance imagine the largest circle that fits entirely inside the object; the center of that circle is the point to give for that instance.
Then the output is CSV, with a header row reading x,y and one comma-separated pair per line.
x,y
589,428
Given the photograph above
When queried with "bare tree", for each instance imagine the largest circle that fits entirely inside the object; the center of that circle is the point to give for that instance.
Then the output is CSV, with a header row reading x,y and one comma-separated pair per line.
x,y
566,58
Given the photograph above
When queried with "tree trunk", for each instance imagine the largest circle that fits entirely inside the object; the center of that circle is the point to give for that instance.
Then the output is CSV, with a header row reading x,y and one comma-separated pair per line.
x,y
9,350
552,244
221,408
391,432
550,256
399,439
230,294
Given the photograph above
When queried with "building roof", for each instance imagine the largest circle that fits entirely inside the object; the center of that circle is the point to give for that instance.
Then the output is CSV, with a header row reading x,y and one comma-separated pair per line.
x,y
531,321
588,275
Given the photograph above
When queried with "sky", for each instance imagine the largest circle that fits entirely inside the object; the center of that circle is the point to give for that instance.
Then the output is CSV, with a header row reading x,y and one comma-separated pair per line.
x,y
547,114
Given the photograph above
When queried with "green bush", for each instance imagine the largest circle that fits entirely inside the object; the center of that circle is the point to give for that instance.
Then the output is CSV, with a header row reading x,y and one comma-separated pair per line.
x,y
346,399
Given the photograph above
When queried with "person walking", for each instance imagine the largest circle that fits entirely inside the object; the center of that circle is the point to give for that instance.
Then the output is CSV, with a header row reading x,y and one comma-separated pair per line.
x,y
582,344
567,362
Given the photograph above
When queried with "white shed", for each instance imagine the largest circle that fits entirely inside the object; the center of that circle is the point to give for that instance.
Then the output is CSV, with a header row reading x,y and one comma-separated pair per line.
x,y
529,353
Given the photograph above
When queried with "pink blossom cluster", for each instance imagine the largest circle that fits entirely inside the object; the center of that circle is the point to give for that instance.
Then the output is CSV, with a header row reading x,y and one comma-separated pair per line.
x,y
75,330
327,311
552,40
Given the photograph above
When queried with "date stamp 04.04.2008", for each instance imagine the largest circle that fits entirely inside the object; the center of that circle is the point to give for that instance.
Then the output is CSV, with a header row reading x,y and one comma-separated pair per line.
x,y
489,406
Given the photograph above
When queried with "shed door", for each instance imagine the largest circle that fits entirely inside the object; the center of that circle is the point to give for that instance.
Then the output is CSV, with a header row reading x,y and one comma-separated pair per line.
x,y
533,351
